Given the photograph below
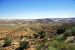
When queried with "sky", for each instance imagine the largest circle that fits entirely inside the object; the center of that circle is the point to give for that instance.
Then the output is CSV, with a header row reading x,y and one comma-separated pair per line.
x,y
34,9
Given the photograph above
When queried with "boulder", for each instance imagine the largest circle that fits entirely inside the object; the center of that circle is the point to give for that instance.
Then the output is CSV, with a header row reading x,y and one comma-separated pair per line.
x,y
70,39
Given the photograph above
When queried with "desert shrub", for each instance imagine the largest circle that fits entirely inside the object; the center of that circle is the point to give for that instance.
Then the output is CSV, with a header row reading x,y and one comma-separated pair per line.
x,y
1,33
71,47
67,25
54,45
73,29
35,35
60,30
43,45
41,34
23,45
51,48
56,42
60,37
39,46
70,32
7,42
59,44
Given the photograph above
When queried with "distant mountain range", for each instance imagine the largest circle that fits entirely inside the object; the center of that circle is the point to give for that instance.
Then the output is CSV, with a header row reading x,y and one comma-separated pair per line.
x,y
44,20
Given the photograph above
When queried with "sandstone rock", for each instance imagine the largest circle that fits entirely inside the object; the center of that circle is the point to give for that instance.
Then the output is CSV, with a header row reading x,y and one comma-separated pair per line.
x,y
15,43
31,49
1,43
70,39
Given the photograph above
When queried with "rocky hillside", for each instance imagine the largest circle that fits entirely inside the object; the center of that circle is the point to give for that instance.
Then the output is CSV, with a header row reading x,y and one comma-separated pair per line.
x,y
37,34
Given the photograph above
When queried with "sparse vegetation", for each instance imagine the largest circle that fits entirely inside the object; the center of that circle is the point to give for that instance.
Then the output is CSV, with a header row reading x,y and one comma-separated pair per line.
x,y
42,36
73,29
7,42
23,45
60,30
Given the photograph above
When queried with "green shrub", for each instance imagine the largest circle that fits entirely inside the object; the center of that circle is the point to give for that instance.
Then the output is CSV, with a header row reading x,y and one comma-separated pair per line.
x,y
41,34
68,33
23,45
51,48
60,37
71,47
73,29
35,35
58,44
60,30
7,42
39,46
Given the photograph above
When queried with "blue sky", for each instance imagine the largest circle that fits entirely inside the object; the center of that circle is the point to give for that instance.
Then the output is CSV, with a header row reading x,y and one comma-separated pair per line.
x,y
33,9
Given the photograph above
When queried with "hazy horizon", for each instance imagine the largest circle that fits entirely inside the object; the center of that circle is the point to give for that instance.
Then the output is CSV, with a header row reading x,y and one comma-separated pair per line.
x,y
37,9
